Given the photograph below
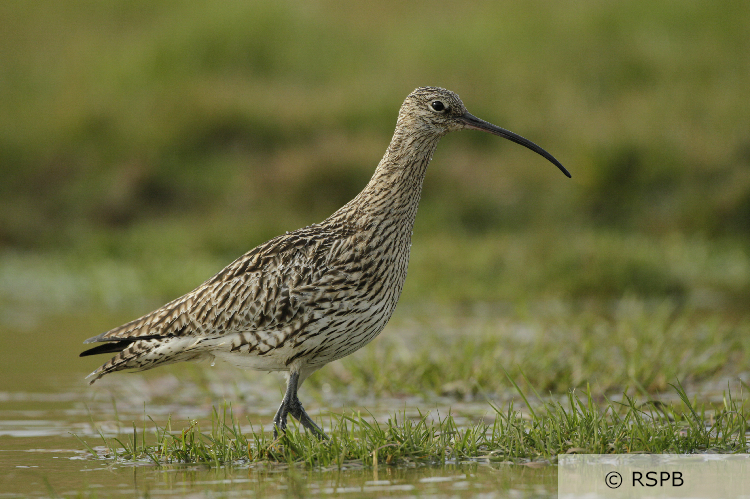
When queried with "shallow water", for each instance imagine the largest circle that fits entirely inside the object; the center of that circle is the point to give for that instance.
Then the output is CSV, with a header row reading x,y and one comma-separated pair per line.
x,y
45,404
57,468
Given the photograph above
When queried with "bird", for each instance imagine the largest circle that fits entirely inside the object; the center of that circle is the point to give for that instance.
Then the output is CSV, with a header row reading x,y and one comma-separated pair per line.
x,y
314,295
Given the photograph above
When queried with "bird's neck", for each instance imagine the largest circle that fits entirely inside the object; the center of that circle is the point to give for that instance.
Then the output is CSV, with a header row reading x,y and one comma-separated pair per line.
x,y
391,197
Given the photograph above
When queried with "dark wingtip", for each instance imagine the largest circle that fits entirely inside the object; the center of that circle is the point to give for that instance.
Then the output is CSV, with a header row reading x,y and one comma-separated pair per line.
x,y
114,345
109,347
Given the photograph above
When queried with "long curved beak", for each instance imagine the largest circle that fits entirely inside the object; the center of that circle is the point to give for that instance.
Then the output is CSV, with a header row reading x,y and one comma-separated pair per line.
x,y
474,123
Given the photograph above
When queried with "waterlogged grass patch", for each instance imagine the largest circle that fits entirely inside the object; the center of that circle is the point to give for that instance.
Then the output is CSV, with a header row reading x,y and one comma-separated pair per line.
x,y
559,346
574,424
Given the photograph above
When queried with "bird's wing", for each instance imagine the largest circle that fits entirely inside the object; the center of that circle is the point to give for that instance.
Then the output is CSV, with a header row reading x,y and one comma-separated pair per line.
x,y
267,288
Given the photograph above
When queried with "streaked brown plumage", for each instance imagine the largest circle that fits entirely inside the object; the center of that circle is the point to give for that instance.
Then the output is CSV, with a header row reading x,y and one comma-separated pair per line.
x,y
314,295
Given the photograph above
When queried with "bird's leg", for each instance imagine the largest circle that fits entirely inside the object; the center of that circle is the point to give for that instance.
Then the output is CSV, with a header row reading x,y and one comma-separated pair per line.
x,y
292,405
279,420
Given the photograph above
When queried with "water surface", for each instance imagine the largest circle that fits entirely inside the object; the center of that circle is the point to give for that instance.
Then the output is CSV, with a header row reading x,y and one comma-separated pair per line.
x,y
45,406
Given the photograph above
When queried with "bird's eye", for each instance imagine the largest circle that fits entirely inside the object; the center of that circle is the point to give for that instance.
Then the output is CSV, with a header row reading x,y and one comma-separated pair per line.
x,y
438,106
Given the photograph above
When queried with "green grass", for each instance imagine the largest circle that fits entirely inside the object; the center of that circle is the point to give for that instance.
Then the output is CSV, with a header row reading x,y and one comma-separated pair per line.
x,y
636,343
594,378
268,116
575,424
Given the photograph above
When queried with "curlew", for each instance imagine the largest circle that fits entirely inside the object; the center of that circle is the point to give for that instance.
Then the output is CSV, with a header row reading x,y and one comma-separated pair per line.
x,y
314,295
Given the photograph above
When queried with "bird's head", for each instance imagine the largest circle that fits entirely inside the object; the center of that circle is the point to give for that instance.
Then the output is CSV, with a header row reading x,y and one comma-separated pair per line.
x,y
438,111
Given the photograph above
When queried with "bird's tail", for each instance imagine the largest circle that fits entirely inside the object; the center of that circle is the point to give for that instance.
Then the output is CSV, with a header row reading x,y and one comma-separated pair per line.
x,y
143,353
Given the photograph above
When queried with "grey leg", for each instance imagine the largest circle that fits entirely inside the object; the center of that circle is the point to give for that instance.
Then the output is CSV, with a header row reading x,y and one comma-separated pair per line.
x,y
279,420
291,405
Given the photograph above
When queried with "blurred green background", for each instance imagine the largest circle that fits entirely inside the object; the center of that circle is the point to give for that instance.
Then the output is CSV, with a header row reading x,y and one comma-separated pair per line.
x,y
145,144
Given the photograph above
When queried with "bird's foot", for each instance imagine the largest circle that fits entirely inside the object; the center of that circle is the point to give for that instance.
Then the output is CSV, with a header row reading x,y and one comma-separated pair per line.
x,y
291,405
300,415
294,407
